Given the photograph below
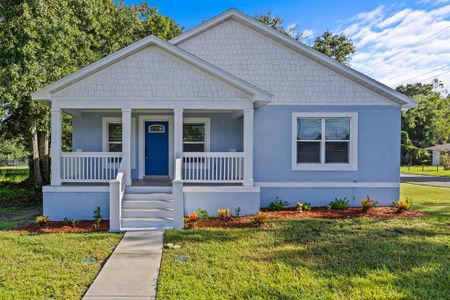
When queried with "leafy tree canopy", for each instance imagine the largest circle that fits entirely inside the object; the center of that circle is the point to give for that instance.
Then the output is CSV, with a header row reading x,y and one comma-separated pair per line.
x,y
339,47
429,123
45,40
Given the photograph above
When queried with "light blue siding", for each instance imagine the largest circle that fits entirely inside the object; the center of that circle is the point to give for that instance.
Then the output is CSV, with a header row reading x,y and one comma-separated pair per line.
x,y
378,145
211,201
75,205
226,132
323,196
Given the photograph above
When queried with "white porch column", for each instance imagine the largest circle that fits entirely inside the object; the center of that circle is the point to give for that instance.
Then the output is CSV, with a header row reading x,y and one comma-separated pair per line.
x,y
126,143
177,183
248,146
56,146
178,132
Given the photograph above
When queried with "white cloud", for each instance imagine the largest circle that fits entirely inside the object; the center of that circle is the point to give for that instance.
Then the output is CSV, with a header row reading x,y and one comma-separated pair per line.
x,y
397,44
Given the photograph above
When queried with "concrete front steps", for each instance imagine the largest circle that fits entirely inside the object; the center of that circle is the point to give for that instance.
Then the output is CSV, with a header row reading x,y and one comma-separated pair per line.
x,y
147,208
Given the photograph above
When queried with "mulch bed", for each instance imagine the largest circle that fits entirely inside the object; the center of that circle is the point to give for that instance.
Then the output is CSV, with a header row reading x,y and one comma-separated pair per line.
x,y
315,213
61,227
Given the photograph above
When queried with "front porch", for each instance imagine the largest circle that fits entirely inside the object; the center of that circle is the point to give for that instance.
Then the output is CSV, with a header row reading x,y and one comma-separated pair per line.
x,y
200,155
211,146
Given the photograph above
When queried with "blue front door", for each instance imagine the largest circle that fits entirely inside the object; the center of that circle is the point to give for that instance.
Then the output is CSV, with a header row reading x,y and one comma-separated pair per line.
x,y
156,148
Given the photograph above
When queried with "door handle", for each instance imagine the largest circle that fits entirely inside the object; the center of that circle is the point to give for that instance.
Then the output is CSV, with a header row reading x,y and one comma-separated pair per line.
x,y
146,152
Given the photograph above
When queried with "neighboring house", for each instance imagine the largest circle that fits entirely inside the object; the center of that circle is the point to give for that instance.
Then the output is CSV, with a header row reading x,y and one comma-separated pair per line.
x,y
436,152
229,114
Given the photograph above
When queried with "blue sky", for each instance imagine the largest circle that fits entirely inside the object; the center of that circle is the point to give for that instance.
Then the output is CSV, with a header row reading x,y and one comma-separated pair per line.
x,y
397,41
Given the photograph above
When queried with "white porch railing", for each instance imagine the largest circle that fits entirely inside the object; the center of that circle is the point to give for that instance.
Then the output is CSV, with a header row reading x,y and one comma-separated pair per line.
x,y
116,192
213,167
89,166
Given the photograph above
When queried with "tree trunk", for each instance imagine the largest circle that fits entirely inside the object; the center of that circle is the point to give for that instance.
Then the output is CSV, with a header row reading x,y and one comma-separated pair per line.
x,y
44,156
37,177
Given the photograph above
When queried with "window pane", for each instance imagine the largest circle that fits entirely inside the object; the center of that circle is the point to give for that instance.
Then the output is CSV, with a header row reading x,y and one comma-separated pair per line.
x,y
337,129
200,147
308,152
115,132
194,132
309,129
336,152
115,147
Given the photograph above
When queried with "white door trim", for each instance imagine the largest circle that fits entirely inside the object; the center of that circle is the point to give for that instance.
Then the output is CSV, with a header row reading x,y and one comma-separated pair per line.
x,y
160,118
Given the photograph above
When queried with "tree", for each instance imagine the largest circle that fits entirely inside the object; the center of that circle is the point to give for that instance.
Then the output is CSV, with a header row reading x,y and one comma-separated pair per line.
x,y
11,149
45,40
429,123
339,47
276,23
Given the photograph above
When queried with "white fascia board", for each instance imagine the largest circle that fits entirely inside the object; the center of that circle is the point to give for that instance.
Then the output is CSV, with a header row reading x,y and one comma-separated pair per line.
x,y
380,88
256,93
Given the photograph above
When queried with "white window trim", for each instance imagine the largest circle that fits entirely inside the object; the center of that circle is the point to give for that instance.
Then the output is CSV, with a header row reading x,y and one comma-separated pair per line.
x,y
207,122
353,147
106,121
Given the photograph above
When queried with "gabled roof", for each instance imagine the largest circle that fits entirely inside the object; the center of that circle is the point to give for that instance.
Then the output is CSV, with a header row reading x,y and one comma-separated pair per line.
x,y
305,50
257,93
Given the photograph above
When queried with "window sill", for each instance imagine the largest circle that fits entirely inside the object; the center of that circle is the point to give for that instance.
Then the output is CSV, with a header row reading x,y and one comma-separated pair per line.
x,y
325,167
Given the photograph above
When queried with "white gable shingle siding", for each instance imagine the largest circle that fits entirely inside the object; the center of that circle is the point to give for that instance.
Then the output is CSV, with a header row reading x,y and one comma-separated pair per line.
x,y
264,62
151,73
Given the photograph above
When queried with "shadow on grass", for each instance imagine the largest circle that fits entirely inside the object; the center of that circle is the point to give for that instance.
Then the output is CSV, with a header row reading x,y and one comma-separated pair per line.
x,y
415,255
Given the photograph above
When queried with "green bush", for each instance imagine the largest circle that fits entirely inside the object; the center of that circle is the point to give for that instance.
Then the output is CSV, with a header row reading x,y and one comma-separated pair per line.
x,y
303,206
97,217
339,204
277,205
259,219
202,213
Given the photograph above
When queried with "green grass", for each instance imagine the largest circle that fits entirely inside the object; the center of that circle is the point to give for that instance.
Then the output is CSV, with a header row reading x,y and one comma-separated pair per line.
x,y
317,259
12,185
43,266
425,170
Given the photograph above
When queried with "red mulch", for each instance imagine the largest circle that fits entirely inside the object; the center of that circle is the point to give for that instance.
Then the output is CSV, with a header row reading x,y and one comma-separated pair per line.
x,y
320,212
60,227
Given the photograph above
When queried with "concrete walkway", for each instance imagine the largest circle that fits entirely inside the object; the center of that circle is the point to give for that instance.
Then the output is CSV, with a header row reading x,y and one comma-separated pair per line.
x,y
132,270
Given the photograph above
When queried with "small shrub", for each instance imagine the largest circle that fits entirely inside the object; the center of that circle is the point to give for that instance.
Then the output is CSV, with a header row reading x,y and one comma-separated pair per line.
x,y
74,223
202,213
41,220
277,205
445,160
303,206
191,220
259,219
97,217
367,203
66,221
403,205
224,213
339,204
237,211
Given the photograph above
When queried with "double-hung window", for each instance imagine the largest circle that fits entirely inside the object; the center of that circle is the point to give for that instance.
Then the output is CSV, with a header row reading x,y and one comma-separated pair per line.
x,y
196,135
112,136
324,141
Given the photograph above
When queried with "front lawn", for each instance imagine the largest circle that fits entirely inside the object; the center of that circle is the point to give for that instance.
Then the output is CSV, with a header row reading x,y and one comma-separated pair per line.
x,y
357,258
425,170
44,266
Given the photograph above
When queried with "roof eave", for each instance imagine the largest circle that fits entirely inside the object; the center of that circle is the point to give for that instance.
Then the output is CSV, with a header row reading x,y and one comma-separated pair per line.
x,y
313,54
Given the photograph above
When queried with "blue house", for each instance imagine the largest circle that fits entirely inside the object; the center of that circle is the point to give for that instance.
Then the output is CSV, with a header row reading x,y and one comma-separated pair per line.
x,y
229,114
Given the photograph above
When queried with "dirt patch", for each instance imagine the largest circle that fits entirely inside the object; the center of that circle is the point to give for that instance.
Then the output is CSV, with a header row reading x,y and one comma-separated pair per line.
x,y
314,213
61,227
